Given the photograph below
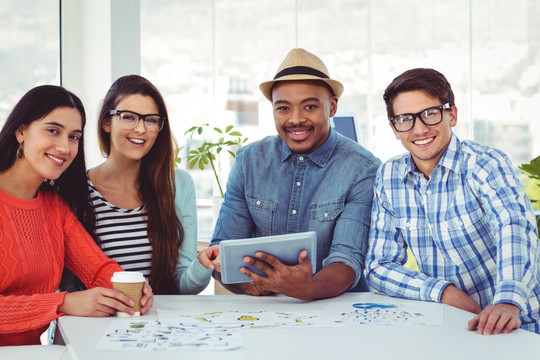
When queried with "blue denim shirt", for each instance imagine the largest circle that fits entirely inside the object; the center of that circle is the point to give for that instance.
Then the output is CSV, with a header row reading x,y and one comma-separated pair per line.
x,y
273,191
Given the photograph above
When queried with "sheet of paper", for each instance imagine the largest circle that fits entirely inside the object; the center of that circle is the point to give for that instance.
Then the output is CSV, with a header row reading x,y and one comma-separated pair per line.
x,y
390,313
131,334
220,330
236,319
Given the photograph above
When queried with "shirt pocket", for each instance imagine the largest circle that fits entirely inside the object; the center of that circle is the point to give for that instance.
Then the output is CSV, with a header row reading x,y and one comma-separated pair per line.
x,y
323,218
466,235
327,212
415,232
263,214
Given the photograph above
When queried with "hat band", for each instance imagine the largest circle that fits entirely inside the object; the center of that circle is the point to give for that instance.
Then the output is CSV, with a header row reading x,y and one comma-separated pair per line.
x,y
304,70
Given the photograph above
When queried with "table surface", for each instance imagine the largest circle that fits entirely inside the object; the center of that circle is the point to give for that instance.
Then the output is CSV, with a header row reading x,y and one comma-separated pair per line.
x,y
450,341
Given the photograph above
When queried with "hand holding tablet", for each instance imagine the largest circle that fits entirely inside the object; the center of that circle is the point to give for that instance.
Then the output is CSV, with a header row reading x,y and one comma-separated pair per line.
x,y
284,247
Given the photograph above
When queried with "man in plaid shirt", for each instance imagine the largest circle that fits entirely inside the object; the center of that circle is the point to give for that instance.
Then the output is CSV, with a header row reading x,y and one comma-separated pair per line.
x,y
459,208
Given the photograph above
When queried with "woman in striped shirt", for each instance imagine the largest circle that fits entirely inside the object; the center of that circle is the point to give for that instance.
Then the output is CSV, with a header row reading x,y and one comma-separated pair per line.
x,y
145,208
42,198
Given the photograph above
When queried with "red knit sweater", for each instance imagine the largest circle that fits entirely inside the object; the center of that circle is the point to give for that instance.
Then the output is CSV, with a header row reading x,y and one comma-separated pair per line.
x,y
38,237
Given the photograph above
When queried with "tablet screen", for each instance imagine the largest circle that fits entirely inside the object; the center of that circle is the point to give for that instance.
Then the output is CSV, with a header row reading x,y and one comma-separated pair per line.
x,y
284,247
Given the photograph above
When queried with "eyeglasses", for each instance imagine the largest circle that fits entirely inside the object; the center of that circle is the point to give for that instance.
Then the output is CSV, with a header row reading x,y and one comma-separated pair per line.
x,y
130,120
430,116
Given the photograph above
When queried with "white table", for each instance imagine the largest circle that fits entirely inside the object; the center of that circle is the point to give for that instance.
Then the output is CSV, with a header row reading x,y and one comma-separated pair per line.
x,y
33,352
451,341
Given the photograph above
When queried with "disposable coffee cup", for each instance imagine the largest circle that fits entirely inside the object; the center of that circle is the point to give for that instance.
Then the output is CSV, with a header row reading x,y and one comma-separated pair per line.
x,y
129,283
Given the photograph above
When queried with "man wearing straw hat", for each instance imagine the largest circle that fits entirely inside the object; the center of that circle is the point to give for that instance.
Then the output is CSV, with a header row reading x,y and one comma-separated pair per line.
x,y
306,178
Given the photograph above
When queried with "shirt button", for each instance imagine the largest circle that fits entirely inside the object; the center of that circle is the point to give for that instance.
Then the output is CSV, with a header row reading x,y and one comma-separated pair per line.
x,y
258,202
408,224
428,192
301,158
325,214
294,212
298,183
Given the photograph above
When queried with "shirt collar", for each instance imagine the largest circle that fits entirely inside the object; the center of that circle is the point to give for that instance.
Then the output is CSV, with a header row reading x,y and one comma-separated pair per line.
x,y
321,155
449,159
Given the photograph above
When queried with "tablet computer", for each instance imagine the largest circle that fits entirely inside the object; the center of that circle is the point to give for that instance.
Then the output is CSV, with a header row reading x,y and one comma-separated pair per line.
x,y
284,247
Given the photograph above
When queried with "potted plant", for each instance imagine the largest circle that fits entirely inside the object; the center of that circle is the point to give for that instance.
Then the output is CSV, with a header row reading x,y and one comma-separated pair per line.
x,y
228,139
532,170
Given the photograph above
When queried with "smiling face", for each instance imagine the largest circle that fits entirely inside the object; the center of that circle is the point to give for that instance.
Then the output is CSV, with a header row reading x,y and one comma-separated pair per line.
x,y
50,144
425,143
132,144
302,112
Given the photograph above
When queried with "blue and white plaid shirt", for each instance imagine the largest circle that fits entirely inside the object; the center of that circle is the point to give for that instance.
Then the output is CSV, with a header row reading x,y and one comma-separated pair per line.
x,y
471,225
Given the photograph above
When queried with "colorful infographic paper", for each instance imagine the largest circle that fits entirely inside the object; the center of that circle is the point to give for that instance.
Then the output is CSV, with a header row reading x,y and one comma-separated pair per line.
x,y
394,314
237,319
221,330
166,336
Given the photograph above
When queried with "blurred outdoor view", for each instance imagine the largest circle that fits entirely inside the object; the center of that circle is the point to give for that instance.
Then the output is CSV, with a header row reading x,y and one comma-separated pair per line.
x,y
29,48
209,56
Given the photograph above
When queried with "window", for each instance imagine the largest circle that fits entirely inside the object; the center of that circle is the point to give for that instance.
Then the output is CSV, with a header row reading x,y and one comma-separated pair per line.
x,y
177,56
506,77
208,58
29,50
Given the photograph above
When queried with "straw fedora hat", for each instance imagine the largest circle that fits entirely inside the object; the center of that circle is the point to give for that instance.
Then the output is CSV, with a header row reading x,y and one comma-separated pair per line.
x,y
300,64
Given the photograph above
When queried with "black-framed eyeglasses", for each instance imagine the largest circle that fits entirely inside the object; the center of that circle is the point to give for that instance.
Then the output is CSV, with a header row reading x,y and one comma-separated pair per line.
x,y
430,116
130,119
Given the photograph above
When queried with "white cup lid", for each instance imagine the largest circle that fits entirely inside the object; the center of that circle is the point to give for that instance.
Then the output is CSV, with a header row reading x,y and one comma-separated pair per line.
x,y
128,277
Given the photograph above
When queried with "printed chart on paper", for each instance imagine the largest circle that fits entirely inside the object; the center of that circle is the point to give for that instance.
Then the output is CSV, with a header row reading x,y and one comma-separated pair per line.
x,y
166,336
394,314
237,319
221,330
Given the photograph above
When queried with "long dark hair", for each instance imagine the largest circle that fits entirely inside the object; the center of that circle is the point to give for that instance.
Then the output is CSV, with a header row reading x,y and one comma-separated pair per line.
x,y
71,185
156,179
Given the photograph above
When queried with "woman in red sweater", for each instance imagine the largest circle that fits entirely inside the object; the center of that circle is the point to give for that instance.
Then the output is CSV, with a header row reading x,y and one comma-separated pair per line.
x,y
42,163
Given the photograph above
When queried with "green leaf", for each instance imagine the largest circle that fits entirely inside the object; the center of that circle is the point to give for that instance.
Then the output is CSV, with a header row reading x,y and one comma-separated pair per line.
x,y
203,148
532,169
208,151
191,130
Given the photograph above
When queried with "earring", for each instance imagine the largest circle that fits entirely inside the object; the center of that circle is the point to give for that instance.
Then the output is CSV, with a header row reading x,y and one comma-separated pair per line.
x,y
50,182
20,152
